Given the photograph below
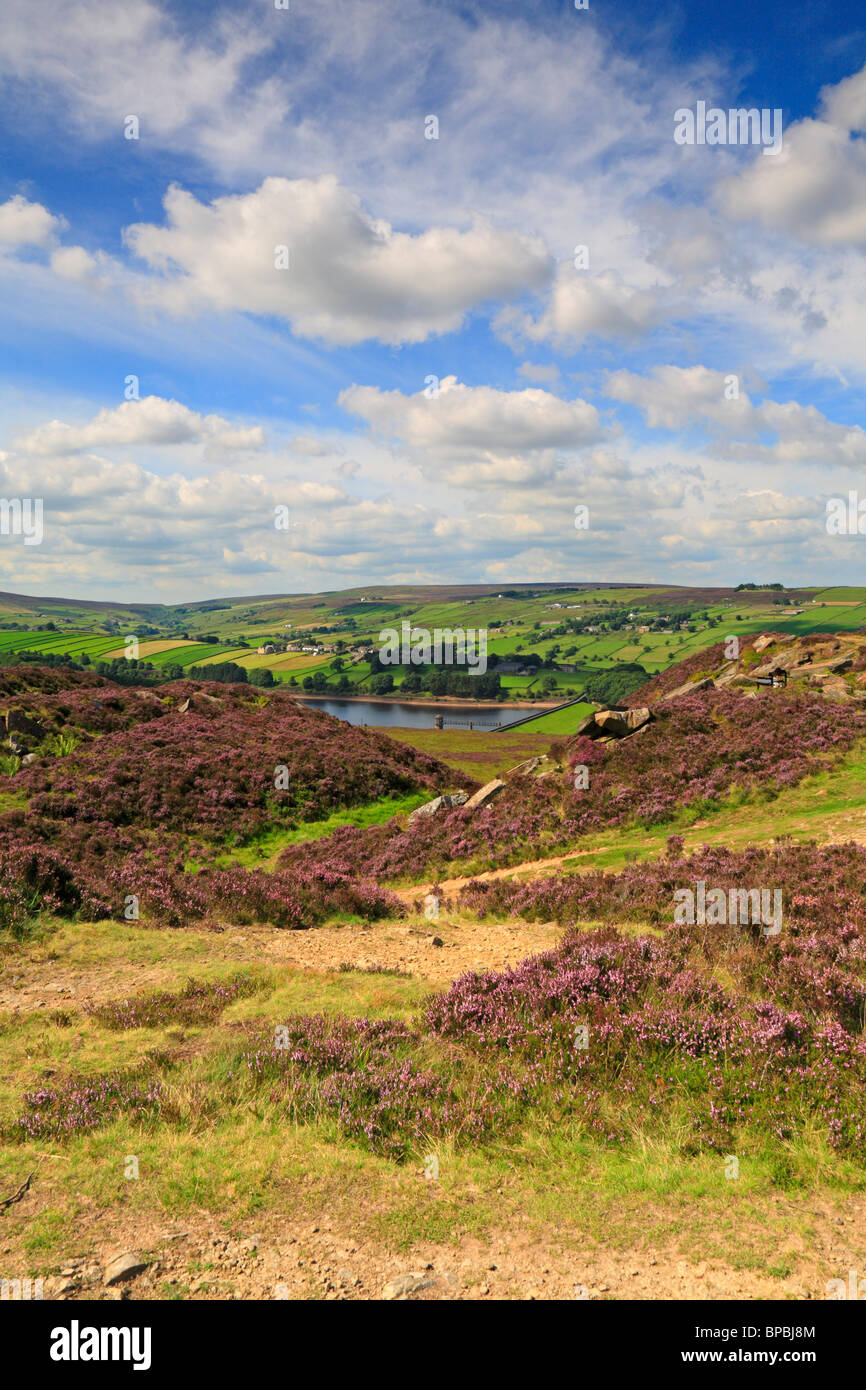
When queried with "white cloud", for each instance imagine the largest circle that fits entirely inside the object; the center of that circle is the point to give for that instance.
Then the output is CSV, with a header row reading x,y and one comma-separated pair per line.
x,y
583,305
815,189
680,397
23,223
348,277
150,420
461,418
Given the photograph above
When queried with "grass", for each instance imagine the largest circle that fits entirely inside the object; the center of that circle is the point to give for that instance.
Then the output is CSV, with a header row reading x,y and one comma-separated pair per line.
x,y
478,753
561,722
233,1157
264,852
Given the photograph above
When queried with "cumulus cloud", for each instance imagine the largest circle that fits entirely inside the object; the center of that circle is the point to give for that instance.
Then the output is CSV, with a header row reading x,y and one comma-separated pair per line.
x,y
677,398
460,417
584,305
23,223
815,188
343,276
151,420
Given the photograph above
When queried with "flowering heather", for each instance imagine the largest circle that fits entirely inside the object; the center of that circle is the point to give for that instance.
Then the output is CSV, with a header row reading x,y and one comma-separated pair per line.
x,y
817,964
90,871
660,1029
708,746
76,1106
212,769
362,1072
198,1002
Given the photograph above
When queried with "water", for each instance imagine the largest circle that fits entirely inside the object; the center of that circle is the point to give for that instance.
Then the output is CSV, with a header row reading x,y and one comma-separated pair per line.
x,y
395,715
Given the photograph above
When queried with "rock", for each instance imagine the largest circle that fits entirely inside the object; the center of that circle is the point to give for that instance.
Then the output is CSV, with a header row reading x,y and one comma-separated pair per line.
x,y
841,663
404,1285
481,797
763,642
638,718
688,689
58,1286
526,767
18,722
587,726
440,803
612,722
183,707
28,758
123,1266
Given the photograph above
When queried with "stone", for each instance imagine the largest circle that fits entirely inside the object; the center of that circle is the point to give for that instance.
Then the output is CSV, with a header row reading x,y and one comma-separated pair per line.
x,y
28,758
612,722
489,790
638,718
183,707
763,642
404,1285
587,726
522,769
123,1266
440,803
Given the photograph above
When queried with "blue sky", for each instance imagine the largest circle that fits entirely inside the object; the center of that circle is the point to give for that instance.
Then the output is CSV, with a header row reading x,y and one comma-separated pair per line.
x,y
435,380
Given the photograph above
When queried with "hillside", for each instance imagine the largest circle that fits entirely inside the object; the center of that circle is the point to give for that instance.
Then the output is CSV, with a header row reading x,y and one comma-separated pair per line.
x,y
316,997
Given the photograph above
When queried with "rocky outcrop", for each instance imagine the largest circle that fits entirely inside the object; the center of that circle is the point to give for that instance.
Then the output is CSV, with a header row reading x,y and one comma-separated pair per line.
x,y
615,723
440,803
524,768
488,791
688,689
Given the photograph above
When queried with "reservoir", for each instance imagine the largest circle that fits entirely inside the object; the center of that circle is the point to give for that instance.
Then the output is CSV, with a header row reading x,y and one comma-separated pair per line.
x,y
393,714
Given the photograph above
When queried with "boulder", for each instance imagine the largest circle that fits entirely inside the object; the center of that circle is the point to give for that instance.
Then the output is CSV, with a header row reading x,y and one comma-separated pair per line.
x,y
763,642
638,718
123,1266
440,803
587,726
488,791
612,722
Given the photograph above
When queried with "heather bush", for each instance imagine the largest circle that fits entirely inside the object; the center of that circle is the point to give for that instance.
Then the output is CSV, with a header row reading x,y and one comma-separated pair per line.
x,y
86,1103
210,770
198,1002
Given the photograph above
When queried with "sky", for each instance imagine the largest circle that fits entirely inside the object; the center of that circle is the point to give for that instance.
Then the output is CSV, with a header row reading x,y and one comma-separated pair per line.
x,y
369,292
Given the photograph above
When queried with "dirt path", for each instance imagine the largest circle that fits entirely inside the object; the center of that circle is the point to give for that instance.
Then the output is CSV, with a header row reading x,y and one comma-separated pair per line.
x,y
293,1257
453,885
